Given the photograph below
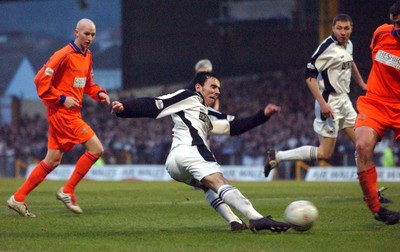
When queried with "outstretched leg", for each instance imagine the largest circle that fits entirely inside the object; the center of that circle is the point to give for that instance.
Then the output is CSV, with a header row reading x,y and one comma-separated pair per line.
x,y
224,210
234,198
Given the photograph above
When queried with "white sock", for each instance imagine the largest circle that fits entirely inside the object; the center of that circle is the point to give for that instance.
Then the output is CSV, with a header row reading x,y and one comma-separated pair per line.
x,y
305,153
221,207
234,198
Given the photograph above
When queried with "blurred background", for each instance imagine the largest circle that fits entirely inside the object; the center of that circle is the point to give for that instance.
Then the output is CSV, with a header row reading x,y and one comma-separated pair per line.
x,y
148,48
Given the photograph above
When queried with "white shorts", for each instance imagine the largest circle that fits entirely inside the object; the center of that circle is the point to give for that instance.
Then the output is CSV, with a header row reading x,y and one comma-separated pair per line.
x,y
343,112
185,163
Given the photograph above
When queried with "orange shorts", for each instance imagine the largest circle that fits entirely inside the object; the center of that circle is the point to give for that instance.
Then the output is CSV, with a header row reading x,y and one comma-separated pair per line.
x,y
379,115
67,130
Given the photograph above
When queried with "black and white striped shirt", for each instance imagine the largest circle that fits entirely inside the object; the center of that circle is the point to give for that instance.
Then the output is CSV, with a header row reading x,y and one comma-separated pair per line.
x,y
331,65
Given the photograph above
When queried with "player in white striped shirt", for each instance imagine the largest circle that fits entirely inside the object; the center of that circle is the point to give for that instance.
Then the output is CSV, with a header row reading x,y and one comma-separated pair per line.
x,y
328,76
190,159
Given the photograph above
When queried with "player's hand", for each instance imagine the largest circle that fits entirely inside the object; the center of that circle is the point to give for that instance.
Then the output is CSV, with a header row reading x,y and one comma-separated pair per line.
x,y
271,109
71,102
326,111
364,87
117,107
104,98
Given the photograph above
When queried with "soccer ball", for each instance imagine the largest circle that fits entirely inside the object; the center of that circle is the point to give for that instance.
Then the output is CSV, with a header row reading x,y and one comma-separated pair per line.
x,y
301,215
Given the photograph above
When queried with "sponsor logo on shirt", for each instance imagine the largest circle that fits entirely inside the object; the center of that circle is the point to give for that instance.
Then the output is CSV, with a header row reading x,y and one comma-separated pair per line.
x,y
347,65
203,117
388,59
79,82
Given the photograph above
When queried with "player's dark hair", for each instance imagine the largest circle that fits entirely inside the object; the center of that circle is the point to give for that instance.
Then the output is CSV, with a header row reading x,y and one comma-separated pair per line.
x,y
395,9
201,78
342,17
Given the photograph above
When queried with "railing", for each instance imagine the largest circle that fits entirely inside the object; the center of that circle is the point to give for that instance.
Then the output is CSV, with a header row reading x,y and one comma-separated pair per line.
x,y
12,167
301,165
19,164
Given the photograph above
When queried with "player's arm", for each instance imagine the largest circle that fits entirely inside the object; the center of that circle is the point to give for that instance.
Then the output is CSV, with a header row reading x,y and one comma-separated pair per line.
x,y
157,107
137,107
235,126
96,92
241,125
43,81
312,83
357,77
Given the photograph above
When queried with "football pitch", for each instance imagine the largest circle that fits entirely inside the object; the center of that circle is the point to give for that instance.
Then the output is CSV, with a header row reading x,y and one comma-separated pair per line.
x,y
169,216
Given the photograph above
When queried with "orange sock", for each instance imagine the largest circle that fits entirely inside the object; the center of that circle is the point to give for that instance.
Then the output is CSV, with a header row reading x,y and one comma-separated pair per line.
x,y
369,186
37,175
82,167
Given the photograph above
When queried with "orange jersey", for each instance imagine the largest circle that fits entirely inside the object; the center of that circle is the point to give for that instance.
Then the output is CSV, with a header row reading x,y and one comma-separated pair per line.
x,y
67,73
383,81
379,108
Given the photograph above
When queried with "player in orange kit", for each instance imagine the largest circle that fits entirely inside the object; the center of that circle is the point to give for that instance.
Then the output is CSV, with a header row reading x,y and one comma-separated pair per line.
x,y
61,84
379,110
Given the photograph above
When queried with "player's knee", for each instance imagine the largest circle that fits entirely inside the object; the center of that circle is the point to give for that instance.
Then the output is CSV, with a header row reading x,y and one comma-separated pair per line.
x,y
98,152
363,149
53,163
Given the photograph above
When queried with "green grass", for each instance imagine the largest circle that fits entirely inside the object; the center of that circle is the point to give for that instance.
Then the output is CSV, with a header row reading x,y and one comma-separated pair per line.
x,y
169,216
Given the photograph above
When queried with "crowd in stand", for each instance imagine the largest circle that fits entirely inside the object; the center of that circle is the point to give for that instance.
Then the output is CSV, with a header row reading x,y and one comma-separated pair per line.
x,y
147,141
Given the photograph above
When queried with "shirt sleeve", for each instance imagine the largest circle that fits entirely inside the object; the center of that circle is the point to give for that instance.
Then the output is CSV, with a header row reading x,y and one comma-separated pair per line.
x,y
321,59
159,107
139,107
233,126
241,125
43,80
